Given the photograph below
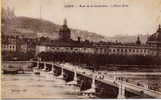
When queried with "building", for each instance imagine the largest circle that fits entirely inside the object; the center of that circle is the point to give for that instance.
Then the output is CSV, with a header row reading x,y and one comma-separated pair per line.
x,y
128,50
93,48
104,50
155,38
155,42
9,44
66,45
16,47
64,32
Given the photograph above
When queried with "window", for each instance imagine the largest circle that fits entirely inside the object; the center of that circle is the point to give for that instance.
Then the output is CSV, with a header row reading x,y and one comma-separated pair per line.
x,y
113,50
103,50
141,50
125,50
121,50
144,50
137,50
109,50
118,50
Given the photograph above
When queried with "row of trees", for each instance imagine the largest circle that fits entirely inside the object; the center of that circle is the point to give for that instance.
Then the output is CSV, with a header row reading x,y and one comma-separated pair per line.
x,y
10,56
99,60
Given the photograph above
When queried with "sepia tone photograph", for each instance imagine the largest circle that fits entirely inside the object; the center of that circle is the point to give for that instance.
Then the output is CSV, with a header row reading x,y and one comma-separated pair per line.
x,y
81,49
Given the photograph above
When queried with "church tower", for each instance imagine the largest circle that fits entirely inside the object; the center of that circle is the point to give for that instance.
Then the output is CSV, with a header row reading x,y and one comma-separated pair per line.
x,y
64,32
138,42
65,22
155,38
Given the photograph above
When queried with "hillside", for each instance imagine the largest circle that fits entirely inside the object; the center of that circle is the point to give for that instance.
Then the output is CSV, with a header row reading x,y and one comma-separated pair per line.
x,y
43,26
51,30
130,38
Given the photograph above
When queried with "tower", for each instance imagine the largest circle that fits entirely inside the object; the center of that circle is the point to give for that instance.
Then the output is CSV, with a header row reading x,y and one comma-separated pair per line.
x,y
138,42
65,22
155,38
64,32
159,33
159,28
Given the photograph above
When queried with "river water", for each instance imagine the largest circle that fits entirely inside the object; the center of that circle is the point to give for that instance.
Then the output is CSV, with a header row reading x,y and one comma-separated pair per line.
x,y
35,86
48,86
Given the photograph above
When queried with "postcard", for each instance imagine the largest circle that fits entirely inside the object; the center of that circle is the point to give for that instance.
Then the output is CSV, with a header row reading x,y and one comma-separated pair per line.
x,y
81,49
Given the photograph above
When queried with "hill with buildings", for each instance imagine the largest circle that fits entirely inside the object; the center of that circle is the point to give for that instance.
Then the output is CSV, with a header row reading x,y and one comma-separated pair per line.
x,y
44,28
50,29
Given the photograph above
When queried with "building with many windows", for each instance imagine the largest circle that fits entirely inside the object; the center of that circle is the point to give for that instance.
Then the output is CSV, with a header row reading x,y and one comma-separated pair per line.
x,y
143,50
16,47
66,45
9,44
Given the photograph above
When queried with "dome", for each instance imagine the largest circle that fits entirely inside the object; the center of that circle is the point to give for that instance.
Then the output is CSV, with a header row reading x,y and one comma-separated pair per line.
x,y
156,37
64,32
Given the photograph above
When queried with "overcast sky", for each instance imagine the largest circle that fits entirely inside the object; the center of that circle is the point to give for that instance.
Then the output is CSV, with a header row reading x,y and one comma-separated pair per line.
x,y
140,17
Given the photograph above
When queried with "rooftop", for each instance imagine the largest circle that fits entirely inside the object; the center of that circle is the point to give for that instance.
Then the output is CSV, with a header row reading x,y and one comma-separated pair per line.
x,y
156,37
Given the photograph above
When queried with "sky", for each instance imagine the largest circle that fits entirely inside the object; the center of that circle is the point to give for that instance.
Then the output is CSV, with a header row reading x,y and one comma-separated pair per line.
x,y
140,17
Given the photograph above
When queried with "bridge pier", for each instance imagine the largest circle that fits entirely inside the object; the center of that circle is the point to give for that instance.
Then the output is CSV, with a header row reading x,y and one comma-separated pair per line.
x,y
46,74
121,93
37,65
75,79
36,69
61,76
92,90
93,86
114,77
52,69
49,76
45,66
146,86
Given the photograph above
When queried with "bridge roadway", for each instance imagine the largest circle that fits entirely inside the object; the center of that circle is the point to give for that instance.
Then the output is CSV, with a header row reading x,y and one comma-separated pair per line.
x,y
107,80
129,86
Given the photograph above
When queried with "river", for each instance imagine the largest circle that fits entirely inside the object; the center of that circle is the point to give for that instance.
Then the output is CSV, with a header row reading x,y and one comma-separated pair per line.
x,y
35,86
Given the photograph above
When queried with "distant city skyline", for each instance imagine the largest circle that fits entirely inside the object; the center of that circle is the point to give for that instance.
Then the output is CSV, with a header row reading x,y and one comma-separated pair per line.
x,y
140,17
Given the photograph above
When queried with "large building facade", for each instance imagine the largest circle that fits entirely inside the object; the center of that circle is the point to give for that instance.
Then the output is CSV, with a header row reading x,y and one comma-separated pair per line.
x,y
143,50
66,45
